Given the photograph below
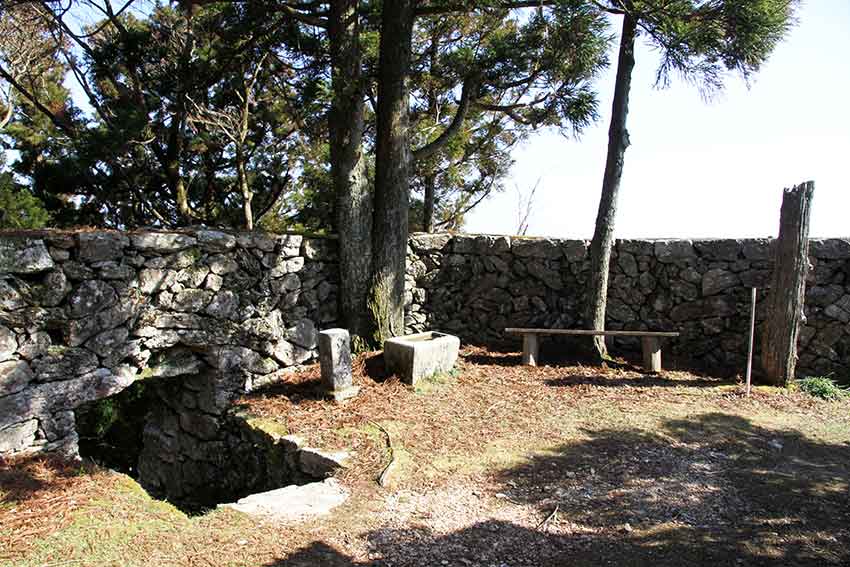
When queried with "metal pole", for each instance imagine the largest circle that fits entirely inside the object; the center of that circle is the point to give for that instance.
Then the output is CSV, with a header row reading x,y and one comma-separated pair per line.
x,y
752,335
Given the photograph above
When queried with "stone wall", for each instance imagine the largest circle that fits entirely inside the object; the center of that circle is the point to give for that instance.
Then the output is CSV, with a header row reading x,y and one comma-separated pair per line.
x,y
475,286
207,316
210,315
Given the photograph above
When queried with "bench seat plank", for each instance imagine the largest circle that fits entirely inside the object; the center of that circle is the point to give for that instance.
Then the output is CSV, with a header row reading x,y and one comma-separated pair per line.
x,y
589,332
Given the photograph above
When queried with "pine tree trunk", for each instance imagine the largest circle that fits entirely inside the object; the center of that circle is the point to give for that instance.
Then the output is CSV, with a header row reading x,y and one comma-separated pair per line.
x,y
348,170
392,170
247,194
788,285
430,183
618,141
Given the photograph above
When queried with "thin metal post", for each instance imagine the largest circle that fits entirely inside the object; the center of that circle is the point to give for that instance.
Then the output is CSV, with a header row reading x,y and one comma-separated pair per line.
x,y
752,335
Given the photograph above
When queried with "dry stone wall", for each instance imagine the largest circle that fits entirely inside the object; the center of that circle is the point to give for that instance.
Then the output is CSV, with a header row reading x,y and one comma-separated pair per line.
x,y
475,286
205,315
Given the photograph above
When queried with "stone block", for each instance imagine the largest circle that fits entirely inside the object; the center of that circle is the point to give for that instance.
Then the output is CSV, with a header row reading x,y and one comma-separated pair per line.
x,y
108,341
101,246
10,298
335,360
192,300
293,503
535,248
18,437
830,248
303,334
14,376
152,280
718,280
162,241
413,357
429,242
323,249
199,425
221,264
215,240
8,343
321,464
33,345
63,363
757,248
670,251
224,305
24,256
54,289
726,249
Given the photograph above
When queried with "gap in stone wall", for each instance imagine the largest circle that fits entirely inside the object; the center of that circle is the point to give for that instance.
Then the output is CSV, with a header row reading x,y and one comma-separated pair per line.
x,y
183,443
110,429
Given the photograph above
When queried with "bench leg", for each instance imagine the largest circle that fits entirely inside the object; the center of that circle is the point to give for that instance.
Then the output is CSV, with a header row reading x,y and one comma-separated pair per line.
x,y
530,348
651,354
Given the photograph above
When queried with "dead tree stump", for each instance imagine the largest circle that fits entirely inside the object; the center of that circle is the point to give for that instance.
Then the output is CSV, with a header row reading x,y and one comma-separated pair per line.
x,y
788,285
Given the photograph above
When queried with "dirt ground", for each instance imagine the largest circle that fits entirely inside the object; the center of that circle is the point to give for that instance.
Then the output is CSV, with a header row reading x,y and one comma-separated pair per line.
x,y
496,465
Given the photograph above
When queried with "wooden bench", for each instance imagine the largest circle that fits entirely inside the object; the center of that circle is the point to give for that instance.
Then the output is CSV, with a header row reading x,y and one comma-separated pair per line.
x,y
649,340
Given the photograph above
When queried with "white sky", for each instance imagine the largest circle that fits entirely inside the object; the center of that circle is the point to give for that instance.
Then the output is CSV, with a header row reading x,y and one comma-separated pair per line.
x,y
704,169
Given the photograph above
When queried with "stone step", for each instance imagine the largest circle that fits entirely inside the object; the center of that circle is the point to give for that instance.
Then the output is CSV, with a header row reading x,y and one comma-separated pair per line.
x,y
293,503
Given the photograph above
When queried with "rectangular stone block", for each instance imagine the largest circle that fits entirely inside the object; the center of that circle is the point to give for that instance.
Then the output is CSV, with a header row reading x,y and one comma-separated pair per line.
x,y
335,362
413,357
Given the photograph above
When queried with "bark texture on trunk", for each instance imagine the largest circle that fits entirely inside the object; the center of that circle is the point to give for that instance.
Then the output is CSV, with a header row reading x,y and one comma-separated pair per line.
x,y
618,141
244,188
788,285
178,130
392,170
348,170
430,183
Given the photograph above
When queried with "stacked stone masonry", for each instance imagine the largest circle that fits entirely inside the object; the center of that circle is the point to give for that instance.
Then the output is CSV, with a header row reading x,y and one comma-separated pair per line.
x,y
208,316
475,286
205,315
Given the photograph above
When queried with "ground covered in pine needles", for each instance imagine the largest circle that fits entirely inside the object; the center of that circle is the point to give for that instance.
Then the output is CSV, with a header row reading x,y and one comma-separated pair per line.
x,y
496,465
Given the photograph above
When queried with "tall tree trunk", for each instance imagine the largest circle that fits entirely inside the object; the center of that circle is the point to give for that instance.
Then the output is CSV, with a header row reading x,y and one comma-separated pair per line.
x,y
618,141
392,170
429,180
348,170
430,183
788,286
247,194
178,128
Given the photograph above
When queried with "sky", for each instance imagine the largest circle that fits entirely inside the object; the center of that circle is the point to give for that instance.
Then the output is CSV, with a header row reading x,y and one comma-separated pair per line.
x,y
698,169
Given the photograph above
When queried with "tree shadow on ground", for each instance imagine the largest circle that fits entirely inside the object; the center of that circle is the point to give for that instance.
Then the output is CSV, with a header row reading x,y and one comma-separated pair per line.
x,y
374,367
295,391
23,478
643,381
714,489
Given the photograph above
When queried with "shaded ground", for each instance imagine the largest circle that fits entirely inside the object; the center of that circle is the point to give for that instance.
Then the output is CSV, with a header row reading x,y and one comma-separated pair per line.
x,y
501,465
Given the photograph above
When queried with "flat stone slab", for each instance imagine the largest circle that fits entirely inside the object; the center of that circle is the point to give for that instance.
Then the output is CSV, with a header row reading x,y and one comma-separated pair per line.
x,y
293,503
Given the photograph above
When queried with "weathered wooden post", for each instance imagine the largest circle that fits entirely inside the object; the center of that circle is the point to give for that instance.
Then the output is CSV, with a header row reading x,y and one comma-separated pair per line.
x,y
788,284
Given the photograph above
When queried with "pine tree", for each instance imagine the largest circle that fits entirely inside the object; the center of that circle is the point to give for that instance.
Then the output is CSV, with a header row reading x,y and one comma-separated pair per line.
x,y
700,40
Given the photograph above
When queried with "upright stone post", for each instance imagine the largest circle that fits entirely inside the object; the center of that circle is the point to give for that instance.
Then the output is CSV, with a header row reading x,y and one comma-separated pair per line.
x,y
335,362
788,285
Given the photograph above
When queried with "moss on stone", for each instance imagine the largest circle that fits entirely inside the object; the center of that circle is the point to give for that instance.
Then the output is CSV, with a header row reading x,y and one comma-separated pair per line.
x,y
272,428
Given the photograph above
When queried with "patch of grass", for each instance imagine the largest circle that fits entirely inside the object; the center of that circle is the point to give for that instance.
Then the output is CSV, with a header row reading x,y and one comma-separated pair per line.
x,y
822,387
436,381
125,526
